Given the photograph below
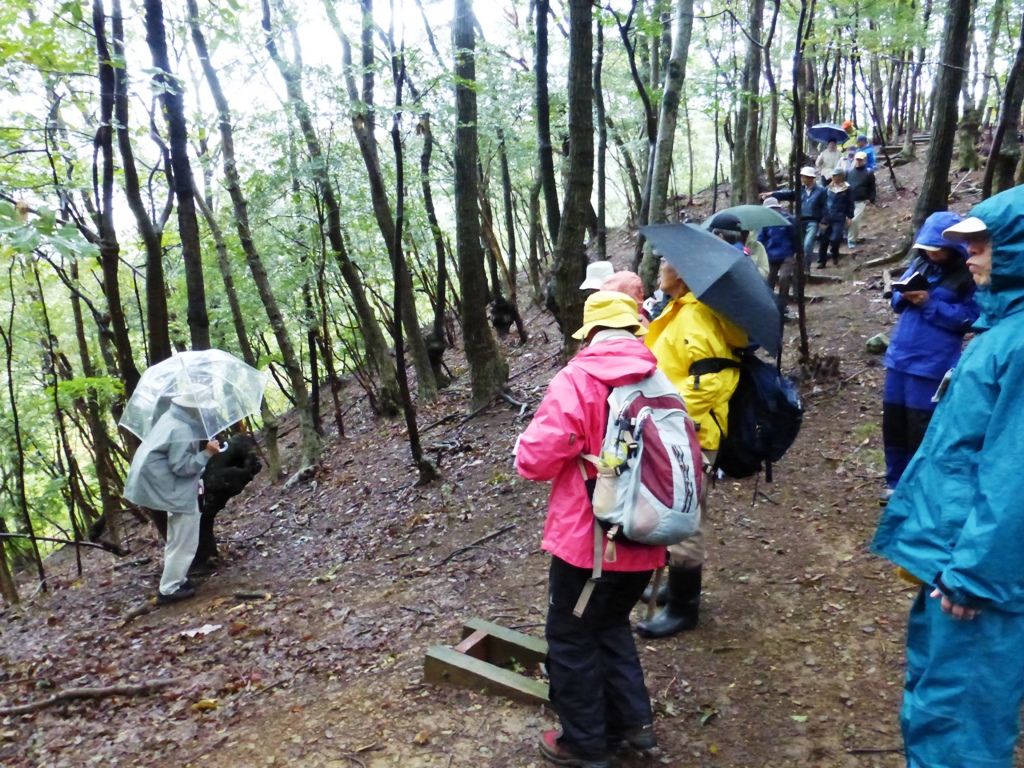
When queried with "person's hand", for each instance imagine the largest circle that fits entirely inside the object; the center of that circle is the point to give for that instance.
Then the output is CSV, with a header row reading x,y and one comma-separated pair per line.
x,y
822,225
213,447
849,222
917,298
958,612
765,195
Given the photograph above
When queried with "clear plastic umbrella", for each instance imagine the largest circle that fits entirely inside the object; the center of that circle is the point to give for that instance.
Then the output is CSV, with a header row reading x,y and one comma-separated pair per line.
x,y
215,388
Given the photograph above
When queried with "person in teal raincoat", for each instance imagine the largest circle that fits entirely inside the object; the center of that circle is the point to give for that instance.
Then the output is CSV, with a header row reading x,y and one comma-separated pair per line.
x,y
956,523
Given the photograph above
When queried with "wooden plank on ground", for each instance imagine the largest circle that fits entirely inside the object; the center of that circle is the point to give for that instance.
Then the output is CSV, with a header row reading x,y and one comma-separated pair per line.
x,y
444,665
505,645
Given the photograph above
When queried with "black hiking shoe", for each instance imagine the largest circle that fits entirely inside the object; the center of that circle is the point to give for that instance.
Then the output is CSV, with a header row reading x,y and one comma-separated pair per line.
x,y
640,737
181,593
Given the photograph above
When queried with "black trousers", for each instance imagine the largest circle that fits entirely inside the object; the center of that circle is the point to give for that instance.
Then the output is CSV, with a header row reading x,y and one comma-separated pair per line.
x,y
597,684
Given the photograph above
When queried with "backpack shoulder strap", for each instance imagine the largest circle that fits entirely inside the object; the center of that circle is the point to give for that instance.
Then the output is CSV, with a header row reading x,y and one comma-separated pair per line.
x,y
588,588
712,365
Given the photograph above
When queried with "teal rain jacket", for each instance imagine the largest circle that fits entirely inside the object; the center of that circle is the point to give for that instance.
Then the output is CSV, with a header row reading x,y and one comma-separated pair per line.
x,y
957,516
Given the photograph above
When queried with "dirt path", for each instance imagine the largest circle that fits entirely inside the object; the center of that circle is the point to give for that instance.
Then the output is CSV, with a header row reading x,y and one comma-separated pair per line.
x,y
797,661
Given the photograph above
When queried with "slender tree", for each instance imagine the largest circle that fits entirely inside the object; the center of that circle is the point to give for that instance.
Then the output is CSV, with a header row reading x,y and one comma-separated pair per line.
x,y
667,120
570,254
171,96
1005,154
934,194
543,109
487,367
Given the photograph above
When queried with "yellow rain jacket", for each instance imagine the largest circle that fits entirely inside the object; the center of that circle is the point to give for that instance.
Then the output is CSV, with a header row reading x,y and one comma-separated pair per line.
x,y
688,331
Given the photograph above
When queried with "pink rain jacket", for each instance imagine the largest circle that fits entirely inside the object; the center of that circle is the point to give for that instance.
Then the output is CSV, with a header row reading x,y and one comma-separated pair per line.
x,y
571,420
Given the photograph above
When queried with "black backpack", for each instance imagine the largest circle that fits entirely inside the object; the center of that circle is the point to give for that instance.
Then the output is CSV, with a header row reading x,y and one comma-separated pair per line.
x,y
765,414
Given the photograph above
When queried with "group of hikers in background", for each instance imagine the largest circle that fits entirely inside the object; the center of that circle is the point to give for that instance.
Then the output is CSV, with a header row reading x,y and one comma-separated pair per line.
x,y
953,518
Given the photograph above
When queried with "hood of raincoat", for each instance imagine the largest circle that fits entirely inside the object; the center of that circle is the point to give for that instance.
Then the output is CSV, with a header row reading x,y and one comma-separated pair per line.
x,y
931,231
1005,293
616,362
570,421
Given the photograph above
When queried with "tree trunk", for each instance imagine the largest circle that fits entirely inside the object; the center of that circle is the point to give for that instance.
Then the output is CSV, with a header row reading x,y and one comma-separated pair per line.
x,y
169,88
667,119
543,108
799,257
157,321
602,146
436,344
488,370
18,493
934,194
108,246
998,11
909,150
746,151
400,271
570,254
534,235
773,114
1005,152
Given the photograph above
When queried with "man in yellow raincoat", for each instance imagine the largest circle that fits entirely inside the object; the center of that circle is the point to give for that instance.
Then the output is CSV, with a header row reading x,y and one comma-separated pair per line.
x,y
686,331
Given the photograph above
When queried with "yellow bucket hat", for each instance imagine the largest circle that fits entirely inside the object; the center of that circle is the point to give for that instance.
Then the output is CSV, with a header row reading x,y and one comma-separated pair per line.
x,y
610,309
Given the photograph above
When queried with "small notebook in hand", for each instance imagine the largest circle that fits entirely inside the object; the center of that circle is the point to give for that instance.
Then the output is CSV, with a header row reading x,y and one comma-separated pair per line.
x,y
916,282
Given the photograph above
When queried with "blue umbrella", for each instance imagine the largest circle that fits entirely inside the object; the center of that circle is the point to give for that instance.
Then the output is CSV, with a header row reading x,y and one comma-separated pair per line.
x,y
826,132
722,277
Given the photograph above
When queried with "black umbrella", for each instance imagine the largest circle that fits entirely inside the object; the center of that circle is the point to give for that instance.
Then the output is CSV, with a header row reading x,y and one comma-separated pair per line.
x,y
722,277
826,132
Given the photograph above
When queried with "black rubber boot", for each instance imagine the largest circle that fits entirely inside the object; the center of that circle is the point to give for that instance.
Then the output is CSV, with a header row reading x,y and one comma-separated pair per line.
x,y
661,599
681,609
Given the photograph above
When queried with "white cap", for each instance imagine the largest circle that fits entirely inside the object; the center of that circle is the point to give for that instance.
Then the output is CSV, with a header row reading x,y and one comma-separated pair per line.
x,y
771,202
968,229
808,171
597,273
186,401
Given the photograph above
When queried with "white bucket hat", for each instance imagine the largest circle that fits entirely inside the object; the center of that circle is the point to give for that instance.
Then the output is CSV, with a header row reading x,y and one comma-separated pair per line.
x,y
968,229
597,273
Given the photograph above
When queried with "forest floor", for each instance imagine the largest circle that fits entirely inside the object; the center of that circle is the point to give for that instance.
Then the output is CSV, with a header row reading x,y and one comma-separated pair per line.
x,y
797,661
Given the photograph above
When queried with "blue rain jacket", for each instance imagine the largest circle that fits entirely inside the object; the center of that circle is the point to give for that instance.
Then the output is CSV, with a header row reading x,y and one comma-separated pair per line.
x,y
928,339
812,201
956,519
779,242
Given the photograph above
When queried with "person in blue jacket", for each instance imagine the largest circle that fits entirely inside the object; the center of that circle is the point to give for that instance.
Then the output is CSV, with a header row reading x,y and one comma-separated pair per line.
x,y
779,244
926,342
812,207
869,152
956,523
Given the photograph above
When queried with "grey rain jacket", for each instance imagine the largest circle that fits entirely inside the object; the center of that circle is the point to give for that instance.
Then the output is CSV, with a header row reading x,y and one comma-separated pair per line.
x,y
166,469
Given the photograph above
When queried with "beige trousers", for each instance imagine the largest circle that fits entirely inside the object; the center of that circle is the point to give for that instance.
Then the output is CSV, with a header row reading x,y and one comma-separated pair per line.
x,y
858,214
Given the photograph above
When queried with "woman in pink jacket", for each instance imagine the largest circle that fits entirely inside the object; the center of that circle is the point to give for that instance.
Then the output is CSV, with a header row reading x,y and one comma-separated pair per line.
x,y
597,684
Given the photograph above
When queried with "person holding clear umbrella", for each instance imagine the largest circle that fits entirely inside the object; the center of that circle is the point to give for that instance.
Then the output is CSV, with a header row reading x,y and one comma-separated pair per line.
x,y
164,475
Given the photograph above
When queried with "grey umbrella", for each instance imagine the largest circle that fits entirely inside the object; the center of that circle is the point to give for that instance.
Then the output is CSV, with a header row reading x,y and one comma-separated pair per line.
x,y
752,217
722,277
